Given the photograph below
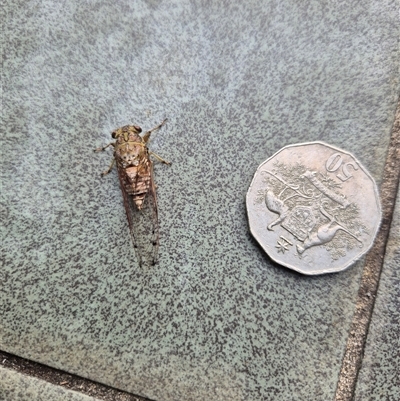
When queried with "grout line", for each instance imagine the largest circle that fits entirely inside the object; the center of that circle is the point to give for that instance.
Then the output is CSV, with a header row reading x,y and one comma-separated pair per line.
x,y
354,352
64,379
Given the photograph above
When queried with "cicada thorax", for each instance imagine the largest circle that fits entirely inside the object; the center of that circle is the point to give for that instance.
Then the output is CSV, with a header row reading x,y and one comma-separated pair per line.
x,y
133,161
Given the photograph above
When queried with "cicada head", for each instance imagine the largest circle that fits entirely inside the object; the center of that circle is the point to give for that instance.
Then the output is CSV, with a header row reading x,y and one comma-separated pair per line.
x,y
127,132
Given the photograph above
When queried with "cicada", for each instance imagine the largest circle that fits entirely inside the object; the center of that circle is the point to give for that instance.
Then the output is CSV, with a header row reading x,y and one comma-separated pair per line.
x,y
135,171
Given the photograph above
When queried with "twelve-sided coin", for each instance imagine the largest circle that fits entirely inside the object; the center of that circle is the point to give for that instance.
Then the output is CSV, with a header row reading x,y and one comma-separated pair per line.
x,y
313,208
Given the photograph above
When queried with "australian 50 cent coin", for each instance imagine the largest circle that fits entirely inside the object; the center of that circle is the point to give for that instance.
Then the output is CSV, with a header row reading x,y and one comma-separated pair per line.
x,y
313,208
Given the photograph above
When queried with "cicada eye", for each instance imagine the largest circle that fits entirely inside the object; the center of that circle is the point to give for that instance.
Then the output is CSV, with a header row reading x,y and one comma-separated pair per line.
x,y
137,128
114,134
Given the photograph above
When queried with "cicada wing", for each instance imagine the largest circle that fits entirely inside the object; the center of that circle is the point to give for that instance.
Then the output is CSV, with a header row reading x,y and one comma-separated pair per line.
x,y
143,223
147,229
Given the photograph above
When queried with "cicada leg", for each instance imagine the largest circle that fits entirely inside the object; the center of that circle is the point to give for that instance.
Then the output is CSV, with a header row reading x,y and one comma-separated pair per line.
x,y
104,147
160,158
109,168
147,134
113,160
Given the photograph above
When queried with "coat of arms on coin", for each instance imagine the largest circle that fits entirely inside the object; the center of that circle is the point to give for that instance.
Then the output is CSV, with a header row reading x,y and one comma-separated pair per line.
x,y
313,208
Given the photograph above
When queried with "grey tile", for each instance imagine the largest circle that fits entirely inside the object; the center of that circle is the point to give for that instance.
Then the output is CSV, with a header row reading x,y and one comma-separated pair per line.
x,y
216,319
379,378
16,386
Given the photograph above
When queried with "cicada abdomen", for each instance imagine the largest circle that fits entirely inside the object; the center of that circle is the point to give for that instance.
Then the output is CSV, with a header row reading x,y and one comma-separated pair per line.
x,y
135,171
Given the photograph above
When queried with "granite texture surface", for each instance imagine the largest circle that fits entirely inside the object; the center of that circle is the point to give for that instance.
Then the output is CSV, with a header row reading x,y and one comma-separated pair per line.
x,y
215,319
15,386
379,378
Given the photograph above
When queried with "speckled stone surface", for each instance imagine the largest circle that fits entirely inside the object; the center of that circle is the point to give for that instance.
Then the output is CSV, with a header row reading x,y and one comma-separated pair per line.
x,y
216,319
379,378
15,386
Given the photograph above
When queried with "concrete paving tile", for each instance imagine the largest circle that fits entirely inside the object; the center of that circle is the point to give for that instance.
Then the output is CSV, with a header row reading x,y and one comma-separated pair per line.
x,y
16,386
379,378
215,319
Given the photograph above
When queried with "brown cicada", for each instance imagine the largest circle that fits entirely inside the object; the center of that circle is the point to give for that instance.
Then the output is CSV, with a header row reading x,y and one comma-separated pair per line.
x,y
135,171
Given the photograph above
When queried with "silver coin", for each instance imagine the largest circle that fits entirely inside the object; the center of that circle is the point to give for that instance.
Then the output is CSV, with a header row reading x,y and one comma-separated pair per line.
x,y
313,208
